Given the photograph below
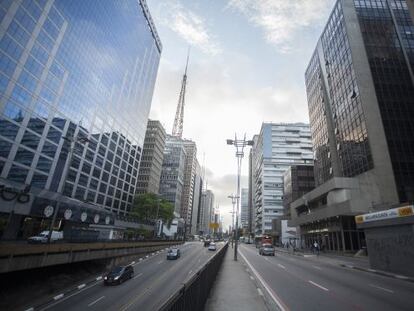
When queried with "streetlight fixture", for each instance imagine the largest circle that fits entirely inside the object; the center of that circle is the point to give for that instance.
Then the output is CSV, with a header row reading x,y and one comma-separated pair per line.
x,y
72,141
233,202
239,144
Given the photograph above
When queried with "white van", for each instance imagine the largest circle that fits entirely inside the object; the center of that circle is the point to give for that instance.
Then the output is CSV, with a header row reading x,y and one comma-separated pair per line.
x,y
42,237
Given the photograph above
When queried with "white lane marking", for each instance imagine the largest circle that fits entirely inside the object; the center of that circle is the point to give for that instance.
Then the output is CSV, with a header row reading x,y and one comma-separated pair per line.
x,y
58,296
137,276
382,288
251,278
93,302
69,296
260,292
140,259
317,285
81,286
372,270
316,267
281,266
272,294
132,263
30,309
190,271
99,278
160,262
402,277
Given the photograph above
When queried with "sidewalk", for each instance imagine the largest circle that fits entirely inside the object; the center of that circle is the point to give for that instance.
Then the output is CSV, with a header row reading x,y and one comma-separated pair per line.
x,y
233,289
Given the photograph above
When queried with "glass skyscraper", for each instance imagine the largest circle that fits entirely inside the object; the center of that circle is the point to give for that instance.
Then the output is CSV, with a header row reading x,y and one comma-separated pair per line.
x,y
360,87
82,72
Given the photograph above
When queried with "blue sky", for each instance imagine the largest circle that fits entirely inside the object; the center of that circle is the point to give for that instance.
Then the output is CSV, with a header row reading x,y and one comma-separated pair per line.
x,y
247,64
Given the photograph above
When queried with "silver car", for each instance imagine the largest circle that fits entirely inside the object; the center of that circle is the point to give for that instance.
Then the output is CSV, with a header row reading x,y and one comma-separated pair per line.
x,y
267,249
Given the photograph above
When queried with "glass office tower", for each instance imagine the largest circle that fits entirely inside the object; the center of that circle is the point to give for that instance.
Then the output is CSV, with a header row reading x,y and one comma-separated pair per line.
x,y
360,87
75,73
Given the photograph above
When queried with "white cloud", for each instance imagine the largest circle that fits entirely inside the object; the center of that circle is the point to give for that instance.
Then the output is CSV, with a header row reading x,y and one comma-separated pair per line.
x,y
188,25
282,20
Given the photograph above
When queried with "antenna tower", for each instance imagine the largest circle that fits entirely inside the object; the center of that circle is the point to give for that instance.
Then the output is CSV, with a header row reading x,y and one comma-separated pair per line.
x,y
179,114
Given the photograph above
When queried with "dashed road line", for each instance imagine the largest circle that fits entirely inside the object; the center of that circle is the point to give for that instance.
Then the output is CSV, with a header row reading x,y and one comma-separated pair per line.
x,y
99,278
137,276
93,302
81,286
260,292
317,285
58,296
281,266
382,288
272,294
316,267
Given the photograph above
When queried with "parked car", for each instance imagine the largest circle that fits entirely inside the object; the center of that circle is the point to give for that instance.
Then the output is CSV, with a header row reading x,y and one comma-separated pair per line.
x,y
267,249
42,237
212,246
173,253
118,275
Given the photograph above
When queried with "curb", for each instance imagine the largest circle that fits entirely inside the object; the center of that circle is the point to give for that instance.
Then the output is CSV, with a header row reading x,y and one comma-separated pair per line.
x,y
83,286
379,272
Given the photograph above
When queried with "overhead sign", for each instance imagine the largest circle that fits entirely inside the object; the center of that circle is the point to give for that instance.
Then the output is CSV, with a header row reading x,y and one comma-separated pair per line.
x,y
213,225
387,214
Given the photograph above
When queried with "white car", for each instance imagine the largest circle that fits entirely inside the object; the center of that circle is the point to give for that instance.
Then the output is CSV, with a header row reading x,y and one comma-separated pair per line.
x,y
212,246
42,237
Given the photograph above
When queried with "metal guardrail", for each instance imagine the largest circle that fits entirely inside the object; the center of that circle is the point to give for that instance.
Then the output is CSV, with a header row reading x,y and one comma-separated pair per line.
x,y
193,294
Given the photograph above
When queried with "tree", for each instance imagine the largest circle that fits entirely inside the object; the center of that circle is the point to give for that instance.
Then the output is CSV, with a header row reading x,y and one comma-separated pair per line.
x,y
145,207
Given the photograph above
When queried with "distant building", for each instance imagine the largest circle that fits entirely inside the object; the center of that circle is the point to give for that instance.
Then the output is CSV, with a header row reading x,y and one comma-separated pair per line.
x,y
189,180
152,157
250,203
360,87
244,210
172,174
276,148
297,181
198,188
206,211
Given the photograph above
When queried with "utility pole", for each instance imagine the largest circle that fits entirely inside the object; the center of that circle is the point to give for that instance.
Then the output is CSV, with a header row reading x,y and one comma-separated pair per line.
x,y
239,144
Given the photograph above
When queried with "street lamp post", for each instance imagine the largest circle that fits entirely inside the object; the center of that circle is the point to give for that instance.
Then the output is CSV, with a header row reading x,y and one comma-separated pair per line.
x,y
72,141
239,144
233,202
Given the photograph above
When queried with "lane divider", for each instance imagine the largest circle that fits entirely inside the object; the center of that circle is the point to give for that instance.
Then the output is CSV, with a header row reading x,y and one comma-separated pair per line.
x,y
81,286
58,296
272,294
320,286
379,272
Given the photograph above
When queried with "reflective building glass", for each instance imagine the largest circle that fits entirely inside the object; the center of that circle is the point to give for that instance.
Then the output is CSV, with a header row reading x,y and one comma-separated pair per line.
x,y
82,70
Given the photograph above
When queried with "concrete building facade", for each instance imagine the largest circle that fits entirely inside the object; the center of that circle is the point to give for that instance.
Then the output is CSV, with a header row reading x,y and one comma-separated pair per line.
x,y
360,88
189,181
206,211
244,209
172,174
276,148
152,157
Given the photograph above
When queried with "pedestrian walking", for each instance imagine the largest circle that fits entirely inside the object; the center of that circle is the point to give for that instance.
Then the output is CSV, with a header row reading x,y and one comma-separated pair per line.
x,y
316,247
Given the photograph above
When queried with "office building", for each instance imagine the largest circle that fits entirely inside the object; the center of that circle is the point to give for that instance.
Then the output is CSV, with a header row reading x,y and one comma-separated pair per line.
x,y
297,181
277,147
206,212
172,173
189,180
244,209
76,73
198,190
152,157
250,204
360,89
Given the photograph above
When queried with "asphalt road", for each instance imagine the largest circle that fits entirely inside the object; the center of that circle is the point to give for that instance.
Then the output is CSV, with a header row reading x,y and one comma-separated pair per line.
x,y
299,283
155,280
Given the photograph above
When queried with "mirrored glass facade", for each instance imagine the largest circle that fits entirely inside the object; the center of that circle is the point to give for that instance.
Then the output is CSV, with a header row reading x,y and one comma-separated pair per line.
x,y
84,70
388,32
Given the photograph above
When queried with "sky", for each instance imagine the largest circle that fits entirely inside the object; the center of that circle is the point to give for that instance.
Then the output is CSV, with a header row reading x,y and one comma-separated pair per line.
x,y
247,65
